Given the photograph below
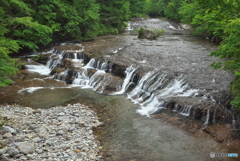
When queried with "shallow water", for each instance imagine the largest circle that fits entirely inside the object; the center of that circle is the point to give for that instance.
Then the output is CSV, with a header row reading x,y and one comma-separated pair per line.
x,y
126,135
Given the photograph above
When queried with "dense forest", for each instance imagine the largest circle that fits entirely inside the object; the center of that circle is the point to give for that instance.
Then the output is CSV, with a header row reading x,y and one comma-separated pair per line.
x,y
26,24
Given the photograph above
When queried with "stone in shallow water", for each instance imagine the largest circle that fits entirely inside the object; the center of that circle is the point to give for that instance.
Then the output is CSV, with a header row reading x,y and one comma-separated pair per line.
x,y
25,148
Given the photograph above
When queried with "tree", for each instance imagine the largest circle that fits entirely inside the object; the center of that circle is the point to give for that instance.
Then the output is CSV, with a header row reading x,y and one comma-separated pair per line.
x,y
113,14
229,49
138,8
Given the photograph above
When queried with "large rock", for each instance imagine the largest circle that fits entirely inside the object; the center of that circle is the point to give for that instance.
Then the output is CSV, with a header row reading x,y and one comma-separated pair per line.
x,y
25,148
146,34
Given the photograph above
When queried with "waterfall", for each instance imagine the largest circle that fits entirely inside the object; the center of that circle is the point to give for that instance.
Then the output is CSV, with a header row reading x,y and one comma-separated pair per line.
x,y
129,26
207,118
41,69
97,65
54,61
98,81
234,122
127,81
57,59
151,90
185,110
150,106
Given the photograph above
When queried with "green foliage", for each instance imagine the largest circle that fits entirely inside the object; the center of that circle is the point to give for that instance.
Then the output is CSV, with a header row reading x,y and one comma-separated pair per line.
x,y
156,7
141,33
2,121
172,9
158,32
30,34
7,64
113,14
138,8
229,50
155,32
30,24
166,8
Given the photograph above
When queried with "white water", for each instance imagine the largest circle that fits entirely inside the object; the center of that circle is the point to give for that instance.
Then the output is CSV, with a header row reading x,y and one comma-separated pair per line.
x,y
153,88
176,27
33,89
98,81
56,59
127,81
207,118
129,28
41,69
186,110
30,89
150,106
234,123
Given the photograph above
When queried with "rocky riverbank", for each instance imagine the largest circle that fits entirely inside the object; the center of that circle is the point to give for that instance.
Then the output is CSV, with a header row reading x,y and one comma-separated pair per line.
x,y
57,133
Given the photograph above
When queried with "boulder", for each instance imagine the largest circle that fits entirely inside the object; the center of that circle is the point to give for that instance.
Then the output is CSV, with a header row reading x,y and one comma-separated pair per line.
x,y
25,147
146,34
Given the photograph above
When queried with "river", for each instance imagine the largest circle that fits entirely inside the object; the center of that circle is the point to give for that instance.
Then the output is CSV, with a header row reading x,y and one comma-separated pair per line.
x,y
175,67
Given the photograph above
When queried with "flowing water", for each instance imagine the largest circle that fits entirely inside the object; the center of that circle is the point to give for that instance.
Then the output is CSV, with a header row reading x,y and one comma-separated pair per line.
x,y
175,66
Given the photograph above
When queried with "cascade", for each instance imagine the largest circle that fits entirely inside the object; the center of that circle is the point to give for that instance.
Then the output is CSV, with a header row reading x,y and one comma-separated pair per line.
x,y
234,122
185,110
207,118
127,81
129,26
56,59
97,81
98,65
42,69
154,87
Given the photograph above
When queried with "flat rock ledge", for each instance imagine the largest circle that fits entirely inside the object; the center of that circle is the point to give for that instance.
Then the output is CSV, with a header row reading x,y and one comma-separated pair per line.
x,y
55,134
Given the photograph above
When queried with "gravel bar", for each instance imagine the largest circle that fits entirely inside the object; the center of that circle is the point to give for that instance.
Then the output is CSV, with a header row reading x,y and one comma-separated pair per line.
x,y
61,133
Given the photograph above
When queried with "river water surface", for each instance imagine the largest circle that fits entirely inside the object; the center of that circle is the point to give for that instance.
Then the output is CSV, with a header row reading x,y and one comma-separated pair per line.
x,y
127,135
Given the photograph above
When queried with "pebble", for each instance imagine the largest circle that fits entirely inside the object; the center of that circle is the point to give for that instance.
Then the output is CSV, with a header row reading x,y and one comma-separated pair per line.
x,y
61,133
7,135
